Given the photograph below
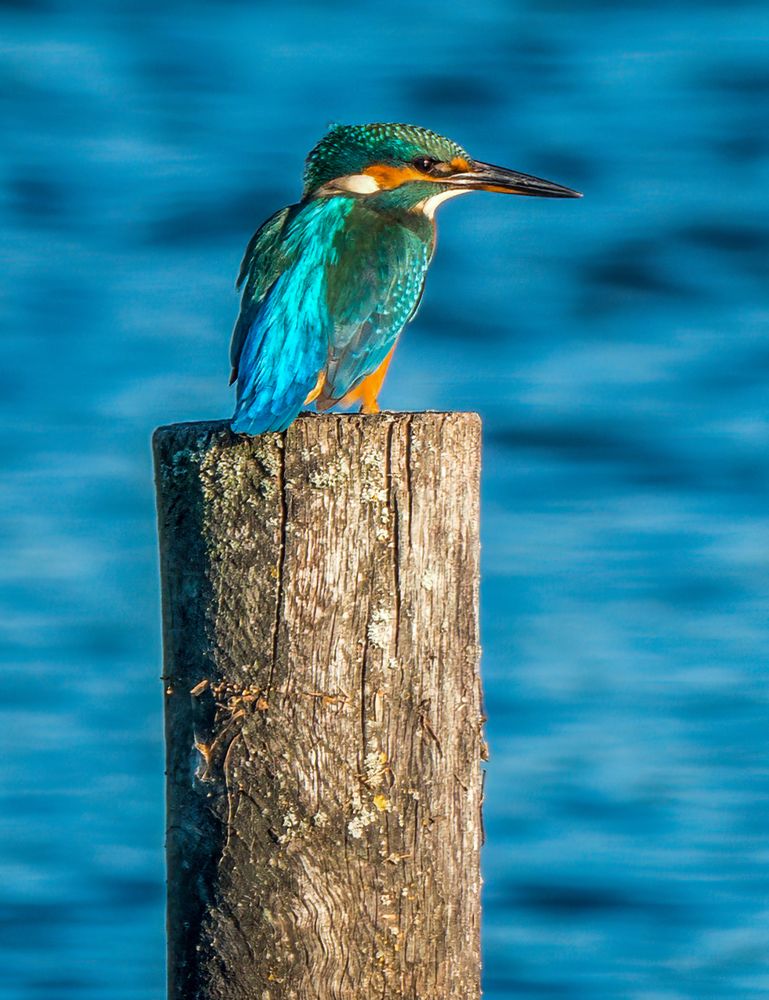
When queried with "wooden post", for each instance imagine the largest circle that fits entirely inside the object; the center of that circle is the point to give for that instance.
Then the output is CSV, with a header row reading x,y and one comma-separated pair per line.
x,y
323,708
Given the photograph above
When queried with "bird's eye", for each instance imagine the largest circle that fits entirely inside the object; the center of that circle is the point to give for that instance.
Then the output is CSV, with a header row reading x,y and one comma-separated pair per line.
x,y
424,163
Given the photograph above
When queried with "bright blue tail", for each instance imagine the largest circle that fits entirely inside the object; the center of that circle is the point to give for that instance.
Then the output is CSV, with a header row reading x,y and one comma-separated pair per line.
x,y
261,413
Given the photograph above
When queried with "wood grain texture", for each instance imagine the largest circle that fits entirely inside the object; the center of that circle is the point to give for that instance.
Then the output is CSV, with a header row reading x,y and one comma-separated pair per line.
x,y
323,708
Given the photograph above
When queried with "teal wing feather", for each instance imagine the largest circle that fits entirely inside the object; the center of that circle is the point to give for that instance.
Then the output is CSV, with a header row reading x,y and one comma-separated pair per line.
x,y
262,264
280,342
372,292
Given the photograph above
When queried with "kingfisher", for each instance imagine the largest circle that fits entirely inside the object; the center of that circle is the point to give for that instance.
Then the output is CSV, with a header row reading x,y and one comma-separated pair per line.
x,y
330,282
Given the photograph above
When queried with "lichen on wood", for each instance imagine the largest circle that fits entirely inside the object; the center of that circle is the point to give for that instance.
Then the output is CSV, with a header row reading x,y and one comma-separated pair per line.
x,y
323,708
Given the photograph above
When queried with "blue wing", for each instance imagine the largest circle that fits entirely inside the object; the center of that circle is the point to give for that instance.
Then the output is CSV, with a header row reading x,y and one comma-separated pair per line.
x,y
329,285
263,263
280,341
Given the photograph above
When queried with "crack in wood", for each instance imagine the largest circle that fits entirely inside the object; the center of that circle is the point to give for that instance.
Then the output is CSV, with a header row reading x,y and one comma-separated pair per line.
x,y
392,501
407,467
280,565
363,668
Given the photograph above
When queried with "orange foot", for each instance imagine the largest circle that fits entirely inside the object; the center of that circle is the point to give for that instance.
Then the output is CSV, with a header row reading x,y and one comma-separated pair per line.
x,y
368,390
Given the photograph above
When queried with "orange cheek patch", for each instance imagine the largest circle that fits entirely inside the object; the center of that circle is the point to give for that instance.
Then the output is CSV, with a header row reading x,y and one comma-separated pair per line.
x,y
389,177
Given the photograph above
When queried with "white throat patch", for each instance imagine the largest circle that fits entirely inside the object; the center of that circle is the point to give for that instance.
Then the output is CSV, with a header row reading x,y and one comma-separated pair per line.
x,y
429,205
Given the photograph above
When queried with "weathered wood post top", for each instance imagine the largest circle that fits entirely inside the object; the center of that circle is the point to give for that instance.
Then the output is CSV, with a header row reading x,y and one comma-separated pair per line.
x,y
323,708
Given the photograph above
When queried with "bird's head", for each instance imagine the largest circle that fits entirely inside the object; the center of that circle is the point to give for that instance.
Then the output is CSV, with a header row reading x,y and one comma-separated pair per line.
x,y
424,168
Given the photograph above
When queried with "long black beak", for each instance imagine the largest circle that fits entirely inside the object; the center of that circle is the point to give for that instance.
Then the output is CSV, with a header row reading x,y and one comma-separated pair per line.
x,y
487,177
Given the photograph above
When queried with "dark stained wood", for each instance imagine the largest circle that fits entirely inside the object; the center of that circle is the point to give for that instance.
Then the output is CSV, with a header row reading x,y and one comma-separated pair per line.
x,y
323,708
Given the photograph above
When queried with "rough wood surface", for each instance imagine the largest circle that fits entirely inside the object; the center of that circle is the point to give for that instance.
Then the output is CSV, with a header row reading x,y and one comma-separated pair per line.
x,y
323,708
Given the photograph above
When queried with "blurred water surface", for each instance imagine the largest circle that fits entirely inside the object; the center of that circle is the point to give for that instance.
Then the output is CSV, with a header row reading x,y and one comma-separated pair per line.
x,y
616,348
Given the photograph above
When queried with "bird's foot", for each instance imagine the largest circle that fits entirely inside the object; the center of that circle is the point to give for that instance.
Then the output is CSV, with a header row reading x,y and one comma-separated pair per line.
x,y
370,406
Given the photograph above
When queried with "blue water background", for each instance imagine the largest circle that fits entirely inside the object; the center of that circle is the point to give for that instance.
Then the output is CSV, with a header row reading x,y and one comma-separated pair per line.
x,y
616,347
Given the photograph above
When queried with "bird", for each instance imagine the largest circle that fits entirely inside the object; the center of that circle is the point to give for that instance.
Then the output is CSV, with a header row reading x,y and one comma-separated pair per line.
x,y
329,283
